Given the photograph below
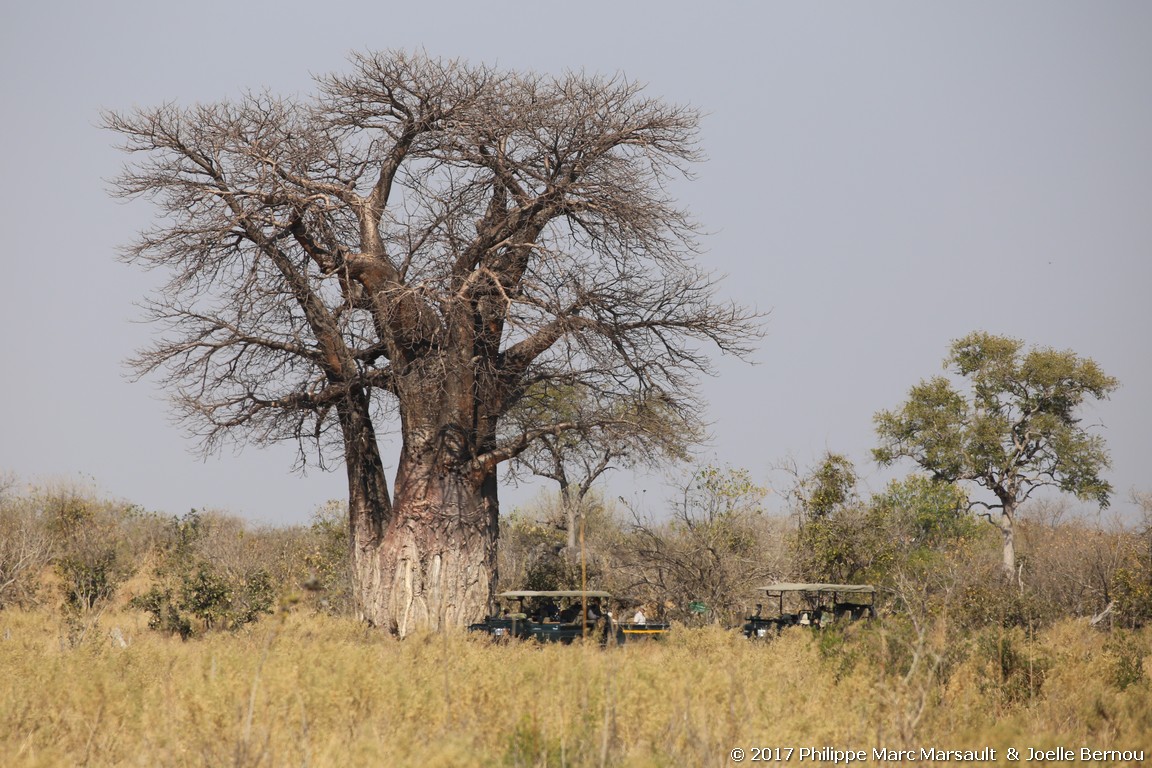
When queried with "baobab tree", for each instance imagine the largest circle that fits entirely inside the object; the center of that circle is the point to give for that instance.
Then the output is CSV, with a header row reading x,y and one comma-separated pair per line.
x,y
421,243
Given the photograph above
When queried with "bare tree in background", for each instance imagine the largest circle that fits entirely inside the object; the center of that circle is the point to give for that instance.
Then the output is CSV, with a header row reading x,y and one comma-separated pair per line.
x,y
619,434
423,242
714,550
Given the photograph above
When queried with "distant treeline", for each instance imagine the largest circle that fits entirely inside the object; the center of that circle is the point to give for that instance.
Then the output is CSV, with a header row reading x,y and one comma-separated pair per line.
x,y
699,563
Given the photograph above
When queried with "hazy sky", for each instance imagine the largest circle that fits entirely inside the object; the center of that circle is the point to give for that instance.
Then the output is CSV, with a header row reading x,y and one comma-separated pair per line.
x,y
882,178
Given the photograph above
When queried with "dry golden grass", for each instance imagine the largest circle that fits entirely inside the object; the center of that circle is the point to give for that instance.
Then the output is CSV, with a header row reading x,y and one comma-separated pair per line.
x,y
299,689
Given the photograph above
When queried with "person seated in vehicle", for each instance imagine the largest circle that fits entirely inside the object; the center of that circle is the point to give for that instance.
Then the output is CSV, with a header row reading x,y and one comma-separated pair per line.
x,y
546,612
570,614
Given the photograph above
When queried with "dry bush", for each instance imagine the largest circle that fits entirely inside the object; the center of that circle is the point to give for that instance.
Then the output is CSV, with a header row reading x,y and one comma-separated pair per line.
x,y
1072,559
533,552
94,544
26,547
703,563
1133,582
214,571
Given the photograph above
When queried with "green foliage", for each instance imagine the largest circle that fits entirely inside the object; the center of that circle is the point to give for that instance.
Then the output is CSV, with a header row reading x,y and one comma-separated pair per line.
x,y
193,592
715,492
327,560
924,514
99,544
848,545
833,541
89,578
1015,430
1133,593
831,486
845,539
1126,652
164,611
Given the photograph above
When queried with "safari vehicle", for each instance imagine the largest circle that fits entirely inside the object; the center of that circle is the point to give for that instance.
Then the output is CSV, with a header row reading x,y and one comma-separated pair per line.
x,y
813,605
556,617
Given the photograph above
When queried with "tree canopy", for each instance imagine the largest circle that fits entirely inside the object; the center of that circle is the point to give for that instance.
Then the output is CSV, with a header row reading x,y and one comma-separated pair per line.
x,y
422,243
1016,429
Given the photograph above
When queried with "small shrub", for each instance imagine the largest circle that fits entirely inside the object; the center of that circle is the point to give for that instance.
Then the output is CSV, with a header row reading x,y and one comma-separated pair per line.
x,y
165,615
195,593
329,570
206,599
90,578
99,544
1126,655
26,549
1011,667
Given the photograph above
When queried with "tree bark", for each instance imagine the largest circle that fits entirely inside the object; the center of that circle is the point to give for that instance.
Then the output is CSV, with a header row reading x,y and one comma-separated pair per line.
x,y
1008,532
369,505
434,565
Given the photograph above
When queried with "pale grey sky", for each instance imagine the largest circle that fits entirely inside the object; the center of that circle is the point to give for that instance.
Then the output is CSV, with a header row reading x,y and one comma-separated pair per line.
x,y
883,177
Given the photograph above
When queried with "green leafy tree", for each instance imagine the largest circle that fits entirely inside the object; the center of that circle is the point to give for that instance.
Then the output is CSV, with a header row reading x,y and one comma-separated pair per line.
x,y
827,488
923,514
1016,429
834,541
845,538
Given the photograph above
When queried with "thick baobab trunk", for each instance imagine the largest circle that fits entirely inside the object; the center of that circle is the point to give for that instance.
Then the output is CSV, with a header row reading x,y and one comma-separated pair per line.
x,y
433,565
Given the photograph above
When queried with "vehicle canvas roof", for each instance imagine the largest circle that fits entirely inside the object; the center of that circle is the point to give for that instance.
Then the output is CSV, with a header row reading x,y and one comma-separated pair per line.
x,y
819,587
515,595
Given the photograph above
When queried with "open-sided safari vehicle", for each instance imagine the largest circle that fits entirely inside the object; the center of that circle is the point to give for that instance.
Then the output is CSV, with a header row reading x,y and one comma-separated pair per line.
x,y
811,605
561,616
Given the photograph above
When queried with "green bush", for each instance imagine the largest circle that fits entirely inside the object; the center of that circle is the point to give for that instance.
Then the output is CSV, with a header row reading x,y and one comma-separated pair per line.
x,y
194,593
1126,653
98,543
328,575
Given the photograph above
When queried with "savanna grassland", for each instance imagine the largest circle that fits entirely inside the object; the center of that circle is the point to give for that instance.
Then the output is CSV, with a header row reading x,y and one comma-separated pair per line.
x,y
129,638
305,689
